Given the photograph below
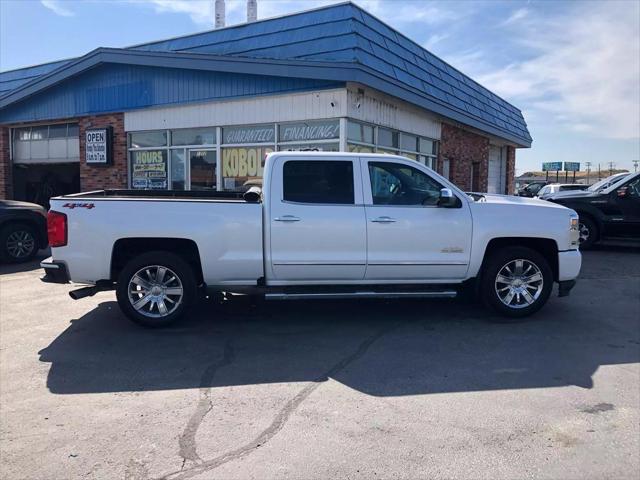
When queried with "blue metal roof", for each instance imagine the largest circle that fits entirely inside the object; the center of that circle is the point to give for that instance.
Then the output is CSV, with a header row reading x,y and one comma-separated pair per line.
x,y
346,36
114,87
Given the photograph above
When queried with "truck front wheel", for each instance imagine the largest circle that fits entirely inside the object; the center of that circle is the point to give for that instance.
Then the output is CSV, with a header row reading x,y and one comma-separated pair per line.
x,y
156,288
516,282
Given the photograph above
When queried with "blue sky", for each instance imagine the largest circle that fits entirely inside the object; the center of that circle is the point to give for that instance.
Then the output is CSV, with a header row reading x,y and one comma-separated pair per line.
x,y
572,67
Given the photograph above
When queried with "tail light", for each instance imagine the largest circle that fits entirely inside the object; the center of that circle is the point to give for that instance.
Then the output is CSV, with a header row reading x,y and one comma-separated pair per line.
x,y
57,228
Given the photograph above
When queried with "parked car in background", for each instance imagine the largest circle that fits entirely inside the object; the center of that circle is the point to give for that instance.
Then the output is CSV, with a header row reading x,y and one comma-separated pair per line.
x,y
326,226
23,230
598,186
530,190
610,213
553,188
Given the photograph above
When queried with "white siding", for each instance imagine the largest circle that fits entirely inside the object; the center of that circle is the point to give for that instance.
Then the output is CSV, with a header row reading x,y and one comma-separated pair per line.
x,y
273,108
380,109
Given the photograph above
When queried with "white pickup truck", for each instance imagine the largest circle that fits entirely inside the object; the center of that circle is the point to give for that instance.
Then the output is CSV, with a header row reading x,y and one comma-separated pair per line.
x,y
325,225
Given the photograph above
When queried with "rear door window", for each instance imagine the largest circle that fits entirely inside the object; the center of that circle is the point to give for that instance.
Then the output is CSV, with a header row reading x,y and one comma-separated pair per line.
x,y
329,182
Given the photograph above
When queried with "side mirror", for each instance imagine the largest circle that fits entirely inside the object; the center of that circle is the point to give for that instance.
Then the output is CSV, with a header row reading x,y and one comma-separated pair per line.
x,y
622,192
447,199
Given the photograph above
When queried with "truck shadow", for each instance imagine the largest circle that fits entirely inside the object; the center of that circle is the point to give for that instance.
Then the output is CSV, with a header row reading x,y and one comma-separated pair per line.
x,y
379,348
34,264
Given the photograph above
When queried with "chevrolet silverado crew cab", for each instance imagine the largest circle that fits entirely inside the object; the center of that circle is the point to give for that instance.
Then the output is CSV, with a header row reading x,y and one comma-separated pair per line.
x,y
324,226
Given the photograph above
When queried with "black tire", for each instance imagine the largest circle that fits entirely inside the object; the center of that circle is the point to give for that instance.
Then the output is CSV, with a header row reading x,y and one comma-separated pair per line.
x,y
175,306
519,306
589,230
18,243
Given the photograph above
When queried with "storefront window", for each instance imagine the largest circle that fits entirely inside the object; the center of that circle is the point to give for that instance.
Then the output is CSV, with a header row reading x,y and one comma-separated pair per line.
x,y
309,131
73,130
193,136
428,147
387,151
249,134
178,170
359,132
148,139
355,148
409,142
149,169
242,164
387,138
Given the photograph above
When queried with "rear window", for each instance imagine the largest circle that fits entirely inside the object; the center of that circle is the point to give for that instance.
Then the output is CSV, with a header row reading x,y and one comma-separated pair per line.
x,y
571,187
318,182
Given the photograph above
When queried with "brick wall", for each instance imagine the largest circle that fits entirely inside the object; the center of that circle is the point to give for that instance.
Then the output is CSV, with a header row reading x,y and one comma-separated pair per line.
x,y
463,148
5,165
114,175
511,170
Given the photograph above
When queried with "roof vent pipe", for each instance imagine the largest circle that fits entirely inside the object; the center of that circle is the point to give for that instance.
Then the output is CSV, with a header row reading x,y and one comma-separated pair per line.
x,y
252,10
219,14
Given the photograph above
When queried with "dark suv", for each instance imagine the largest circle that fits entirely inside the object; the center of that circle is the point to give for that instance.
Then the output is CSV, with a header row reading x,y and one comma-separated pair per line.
x,y
610,213
23,230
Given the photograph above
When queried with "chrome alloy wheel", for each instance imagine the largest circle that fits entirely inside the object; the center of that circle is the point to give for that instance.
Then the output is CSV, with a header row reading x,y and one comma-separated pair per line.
x,y
20,244
584,231
519,283
155,291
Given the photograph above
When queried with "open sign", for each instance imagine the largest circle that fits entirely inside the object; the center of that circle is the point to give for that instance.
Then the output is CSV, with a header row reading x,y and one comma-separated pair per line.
x,y
97,146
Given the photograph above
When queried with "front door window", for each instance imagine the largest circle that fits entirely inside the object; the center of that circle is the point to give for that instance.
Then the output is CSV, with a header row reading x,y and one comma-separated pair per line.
x,y
202,169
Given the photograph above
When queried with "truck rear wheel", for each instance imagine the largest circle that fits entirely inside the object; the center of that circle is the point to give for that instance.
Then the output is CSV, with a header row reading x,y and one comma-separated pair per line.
x,y
155,289
516,282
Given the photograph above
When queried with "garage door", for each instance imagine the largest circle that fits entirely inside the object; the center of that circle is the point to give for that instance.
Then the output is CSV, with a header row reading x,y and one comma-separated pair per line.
x,y
497,170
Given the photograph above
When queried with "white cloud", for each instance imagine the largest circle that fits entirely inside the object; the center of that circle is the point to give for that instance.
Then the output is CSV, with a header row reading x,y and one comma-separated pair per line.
x,y
57,7
434,39
516,16
583,72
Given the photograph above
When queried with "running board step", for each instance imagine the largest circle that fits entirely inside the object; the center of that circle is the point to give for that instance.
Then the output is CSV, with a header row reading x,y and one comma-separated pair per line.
x,y
347,295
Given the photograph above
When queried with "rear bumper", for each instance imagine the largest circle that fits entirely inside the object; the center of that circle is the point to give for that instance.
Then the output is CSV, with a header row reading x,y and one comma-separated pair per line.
x,y
54,272
569,263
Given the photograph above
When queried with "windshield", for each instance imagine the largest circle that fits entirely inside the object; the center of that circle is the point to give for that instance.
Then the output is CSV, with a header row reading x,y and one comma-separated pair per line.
x,y
615,185
605,182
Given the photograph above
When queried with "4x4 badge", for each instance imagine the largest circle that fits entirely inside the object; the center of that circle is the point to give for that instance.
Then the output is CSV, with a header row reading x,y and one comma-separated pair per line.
x,y
88,206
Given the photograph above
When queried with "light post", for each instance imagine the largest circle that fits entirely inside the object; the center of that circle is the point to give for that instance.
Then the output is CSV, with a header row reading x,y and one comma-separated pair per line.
x,y
588,165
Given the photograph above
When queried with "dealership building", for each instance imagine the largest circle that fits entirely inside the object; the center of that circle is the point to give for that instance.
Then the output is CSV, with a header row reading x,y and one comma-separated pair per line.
x,y
201,111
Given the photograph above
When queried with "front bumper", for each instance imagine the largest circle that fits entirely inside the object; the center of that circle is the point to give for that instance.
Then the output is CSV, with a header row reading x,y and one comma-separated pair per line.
x,y
54,272
569,263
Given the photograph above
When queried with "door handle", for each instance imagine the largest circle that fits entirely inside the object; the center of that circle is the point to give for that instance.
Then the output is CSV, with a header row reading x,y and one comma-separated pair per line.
x,y
286,218
383,220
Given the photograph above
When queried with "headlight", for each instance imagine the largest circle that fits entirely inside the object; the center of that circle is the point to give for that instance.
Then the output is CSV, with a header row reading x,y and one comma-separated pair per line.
x,y
574,231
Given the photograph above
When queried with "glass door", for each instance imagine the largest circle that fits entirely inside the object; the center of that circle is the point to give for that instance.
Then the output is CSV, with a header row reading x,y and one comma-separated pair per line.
x,y
202,169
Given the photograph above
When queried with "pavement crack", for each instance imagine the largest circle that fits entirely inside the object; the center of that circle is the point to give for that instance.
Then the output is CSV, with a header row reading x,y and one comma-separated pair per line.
x,y
187,441
283,415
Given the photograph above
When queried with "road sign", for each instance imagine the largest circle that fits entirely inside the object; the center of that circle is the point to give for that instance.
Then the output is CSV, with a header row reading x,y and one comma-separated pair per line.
x,y
551,166
571,166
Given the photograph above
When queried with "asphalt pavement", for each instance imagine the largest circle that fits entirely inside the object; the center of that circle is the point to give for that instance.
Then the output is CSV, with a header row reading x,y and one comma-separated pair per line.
x,y
352,389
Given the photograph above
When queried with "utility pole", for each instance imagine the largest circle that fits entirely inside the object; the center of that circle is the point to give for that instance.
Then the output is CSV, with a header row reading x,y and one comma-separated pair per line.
x,y
599,176
635,165
611,165
588,165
